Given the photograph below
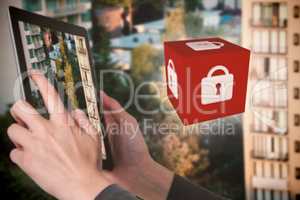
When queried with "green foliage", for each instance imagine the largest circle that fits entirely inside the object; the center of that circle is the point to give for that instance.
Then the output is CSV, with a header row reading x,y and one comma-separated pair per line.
x,y
146,60
145,64
225,175
147,10
101,47
175,29
171,3
125,3
191,5
155,3
114,83
193,24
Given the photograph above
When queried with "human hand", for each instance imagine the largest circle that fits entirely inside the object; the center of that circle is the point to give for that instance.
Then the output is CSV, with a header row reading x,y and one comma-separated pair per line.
x,y
134,169
59,154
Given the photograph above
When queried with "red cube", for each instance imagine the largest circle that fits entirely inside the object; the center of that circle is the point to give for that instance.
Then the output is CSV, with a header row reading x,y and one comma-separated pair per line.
x,y
206,78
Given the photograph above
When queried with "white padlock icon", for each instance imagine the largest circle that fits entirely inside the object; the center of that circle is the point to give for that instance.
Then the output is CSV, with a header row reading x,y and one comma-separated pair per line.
x,y
204,45
217,88
172,79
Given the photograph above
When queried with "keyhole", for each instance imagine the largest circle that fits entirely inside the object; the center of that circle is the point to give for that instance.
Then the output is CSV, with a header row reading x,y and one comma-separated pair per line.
x,y
218,86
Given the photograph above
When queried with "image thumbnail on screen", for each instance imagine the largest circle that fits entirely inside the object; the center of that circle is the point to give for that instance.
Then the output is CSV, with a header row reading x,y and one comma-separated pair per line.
x,y
64,60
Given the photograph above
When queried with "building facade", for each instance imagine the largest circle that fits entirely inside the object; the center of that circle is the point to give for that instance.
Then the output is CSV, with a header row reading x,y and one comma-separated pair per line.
x,y
271,29
72,11
33,45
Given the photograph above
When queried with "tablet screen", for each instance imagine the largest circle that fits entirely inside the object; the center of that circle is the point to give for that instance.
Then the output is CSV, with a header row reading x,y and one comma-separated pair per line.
x,y
64,60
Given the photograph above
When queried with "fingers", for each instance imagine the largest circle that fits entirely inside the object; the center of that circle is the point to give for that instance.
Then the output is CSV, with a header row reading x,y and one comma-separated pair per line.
x,y
116,115
19,135
51,98
112,107
16,155
109,119
84,123
110,103
26,115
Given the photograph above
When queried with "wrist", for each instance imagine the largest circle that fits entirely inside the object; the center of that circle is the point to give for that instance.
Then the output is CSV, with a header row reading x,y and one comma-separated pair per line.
x,y
148,180
89,187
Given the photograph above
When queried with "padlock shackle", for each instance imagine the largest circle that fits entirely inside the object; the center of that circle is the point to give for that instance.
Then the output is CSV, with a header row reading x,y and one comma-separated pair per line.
x,y
220,44
171,63
216,68
216,45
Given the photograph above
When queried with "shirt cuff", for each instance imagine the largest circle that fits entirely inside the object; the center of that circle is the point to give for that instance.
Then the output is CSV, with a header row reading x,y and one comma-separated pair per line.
x,y
114,192
184,189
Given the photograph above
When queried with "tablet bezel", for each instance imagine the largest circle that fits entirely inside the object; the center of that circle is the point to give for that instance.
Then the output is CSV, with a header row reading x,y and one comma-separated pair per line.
x,y
17,15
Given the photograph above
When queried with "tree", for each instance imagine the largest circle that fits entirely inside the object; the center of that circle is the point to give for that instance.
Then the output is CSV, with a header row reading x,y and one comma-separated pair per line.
x,y
146,60
114,83
191,5
193,24
183,155
175,29
101,47
147,10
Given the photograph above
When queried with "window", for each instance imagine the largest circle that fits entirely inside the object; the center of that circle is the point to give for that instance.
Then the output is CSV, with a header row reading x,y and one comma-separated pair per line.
x,y
267,66
272,194
296,11
86,17
72,19
272,171
34,65
297,146
296,93
29,39
26,26
297,173
33,38
90,33
32,5
269,14
31,53
297,120
254,168
272,145
296,66
51,5
263,194
255,194
296,39
71,2
280,171
263,169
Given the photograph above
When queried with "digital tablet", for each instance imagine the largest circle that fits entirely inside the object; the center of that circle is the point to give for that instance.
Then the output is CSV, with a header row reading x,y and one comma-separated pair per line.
x,y
61,51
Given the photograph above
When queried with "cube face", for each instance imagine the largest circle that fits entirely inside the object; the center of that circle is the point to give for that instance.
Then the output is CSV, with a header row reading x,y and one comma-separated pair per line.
x,y
211,77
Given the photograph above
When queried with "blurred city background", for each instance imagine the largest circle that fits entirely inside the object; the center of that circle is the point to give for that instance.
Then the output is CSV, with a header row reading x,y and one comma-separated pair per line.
x,y
253,156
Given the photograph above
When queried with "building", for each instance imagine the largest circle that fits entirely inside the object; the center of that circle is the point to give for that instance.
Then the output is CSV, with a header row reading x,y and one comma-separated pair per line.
x,y
147,33
271,29
72,11
221,4
116,20
154,27
33,46
232,4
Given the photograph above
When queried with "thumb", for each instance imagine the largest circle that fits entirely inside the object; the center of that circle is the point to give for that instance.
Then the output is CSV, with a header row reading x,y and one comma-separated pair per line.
x,y
16,156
